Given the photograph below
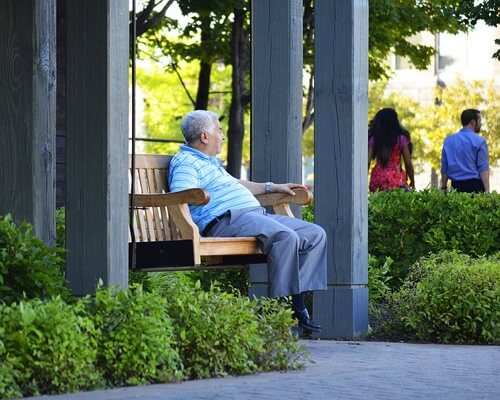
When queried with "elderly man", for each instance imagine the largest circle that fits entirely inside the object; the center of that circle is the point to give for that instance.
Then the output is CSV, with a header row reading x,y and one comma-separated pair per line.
x,y
464,157
295,249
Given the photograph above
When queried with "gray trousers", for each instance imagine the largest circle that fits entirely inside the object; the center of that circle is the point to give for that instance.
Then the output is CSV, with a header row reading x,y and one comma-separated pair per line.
x,y
295,249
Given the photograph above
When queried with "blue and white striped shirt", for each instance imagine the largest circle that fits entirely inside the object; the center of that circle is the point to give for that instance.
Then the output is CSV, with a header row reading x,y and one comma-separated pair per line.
x,y
191,168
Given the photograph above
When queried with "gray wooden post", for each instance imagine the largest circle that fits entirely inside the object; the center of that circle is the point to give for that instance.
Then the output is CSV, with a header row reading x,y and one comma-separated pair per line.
x,y
28,112
276,143
340,157
96,143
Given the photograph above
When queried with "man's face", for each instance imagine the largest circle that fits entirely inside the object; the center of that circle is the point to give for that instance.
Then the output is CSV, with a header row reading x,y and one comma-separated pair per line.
x,y
477,123
215,139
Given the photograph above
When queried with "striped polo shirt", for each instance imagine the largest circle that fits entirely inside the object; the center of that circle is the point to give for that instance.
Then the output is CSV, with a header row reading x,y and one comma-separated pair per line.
x,y
191,168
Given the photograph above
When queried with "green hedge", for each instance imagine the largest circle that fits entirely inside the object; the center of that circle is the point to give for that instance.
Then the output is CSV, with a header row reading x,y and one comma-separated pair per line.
x,y
28,268
452,298
47,347
163,328
135,337
223,333
406,226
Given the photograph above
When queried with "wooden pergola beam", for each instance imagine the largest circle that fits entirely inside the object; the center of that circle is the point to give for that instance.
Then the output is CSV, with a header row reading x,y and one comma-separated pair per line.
x,y
340,162
96,143
276,141
27,113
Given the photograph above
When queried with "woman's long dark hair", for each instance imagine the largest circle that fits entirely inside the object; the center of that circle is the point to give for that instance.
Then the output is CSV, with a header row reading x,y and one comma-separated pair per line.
x,y
386,130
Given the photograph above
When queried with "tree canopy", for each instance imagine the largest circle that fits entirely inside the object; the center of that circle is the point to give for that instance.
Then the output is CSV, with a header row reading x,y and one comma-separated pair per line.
x,y
216,33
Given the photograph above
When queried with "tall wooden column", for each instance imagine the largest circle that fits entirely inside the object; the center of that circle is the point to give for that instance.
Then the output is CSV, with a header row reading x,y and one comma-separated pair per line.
x,y
276,144
340,157
27,113
96,143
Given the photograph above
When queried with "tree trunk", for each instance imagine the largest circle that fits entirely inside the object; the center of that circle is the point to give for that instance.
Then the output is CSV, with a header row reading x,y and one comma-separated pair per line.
x,y
203,75
236,129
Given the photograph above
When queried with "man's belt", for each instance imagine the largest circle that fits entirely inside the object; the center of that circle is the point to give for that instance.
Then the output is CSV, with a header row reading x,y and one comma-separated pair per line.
x,y
212,223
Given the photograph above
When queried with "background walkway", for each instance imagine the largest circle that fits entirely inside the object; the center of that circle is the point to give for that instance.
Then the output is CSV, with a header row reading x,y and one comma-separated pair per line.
x,y
348,370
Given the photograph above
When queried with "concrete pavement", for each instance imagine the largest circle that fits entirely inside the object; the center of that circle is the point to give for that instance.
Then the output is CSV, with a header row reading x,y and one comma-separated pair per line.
x,y
347,370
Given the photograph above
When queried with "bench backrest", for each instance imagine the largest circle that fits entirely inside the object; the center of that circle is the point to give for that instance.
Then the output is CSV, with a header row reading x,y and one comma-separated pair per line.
x,y
152,223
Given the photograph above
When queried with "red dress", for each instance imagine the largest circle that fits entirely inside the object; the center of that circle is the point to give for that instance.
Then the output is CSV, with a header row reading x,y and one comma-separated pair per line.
x,y
392,176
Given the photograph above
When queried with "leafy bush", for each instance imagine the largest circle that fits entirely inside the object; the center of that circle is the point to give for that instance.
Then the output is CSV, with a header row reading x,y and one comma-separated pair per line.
x,y
28,267
221,333
48,347
227,280
280,348
406,226
135,337
453,298
9,371
378,278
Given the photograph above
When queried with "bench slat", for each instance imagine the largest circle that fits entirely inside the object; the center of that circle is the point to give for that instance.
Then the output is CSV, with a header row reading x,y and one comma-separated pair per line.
x,y
213,246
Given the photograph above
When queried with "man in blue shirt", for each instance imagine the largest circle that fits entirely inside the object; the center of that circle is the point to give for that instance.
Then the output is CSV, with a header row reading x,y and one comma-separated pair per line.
x,y
295,249
464,157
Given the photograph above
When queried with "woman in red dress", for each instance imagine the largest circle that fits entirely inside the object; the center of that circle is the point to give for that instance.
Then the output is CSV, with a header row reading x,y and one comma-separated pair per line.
x,y
387,143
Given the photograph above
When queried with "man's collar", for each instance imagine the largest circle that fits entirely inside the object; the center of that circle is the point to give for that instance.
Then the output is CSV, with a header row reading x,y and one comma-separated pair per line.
x,y
185,147
467,129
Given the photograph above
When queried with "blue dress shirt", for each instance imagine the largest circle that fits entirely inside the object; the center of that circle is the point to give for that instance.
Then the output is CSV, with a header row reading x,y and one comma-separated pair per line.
x,y
464,155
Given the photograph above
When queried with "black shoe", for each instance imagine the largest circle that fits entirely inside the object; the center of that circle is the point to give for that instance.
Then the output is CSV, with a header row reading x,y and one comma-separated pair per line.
x,y
305,322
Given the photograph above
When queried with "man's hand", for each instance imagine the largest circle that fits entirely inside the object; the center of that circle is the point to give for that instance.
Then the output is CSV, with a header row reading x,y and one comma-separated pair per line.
x,y
286,188
260,188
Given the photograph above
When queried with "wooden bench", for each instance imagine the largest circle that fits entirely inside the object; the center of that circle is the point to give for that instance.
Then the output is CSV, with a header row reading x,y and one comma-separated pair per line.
x,y
167,239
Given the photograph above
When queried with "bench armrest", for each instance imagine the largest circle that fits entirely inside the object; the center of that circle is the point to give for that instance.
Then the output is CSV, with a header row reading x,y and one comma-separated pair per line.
x,y
302,197
280,202
190,196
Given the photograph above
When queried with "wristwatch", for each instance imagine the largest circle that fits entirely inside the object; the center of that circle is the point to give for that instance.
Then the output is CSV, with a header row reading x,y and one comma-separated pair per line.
x,y
267,187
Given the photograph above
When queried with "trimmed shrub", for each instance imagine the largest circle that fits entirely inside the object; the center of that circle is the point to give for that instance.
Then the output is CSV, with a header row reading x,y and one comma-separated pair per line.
x,y
453,298
208,314
218,332
221,333
28,267
48,348
136,344
406,226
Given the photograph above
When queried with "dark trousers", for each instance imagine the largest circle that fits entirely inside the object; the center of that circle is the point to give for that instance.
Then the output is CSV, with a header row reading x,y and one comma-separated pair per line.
x,y
468,186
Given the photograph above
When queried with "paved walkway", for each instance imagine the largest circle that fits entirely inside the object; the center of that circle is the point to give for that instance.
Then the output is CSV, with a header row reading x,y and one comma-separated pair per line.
x,y
347,370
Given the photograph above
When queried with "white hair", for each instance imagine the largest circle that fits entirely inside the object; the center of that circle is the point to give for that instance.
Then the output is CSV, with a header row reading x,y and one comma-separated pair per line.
x,y
196,122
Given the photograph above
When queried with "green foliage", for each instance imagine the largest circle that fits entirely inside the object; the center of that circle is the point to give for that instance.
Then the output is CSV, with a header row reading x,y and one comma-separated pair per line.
x,y
220,333
430,124
308,213
135,337
228,280
28,267
159,282
406,226
281,349
61,228
437,122
379,278
393,24
9,370
453,298
48,348
165,103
